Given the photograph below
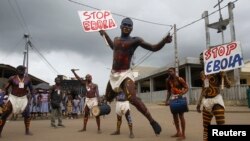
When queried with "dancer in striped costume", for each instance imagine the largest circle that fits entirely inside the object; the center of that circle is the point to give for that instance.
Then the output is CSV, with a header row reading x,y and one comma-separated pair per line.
x,y
211,98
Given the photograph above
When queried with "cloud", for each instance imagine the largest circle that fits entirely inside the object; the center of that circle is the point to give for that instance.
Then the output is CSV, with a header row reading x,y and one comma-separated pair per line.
x,y
55,30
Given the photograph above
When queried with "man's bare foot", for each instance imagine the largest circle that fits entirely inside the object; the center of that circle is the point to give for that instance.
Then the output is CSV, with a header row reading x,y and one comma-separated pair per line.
x,y
61,125
82,130
176,135
156,127
53,125
181,138
115,133
131,135
28,133
99,131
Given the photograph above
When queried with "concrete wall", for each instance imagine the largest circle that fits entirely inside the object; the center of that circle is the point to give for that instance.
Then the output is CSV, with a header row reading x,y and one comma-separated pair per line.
x,y
230,96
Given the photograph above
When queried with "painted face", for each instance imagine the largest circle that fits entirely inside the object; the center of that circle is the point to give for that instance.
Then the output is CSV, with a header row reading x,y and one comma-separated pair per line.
x,y
171,72
126,25
20,70
57,80
88,77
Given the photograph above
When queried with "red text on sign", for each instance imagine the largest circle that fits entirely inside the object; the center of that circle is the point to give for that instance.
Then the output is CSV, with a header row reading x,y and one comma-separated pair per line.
x,y
98,25
96,15
220,51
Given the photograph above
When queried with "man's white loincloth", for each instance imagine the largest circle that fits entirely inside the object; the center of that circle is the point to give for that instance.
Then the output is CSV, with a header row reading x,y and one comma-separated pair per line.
x,y
122,107
208,103
91,102
18,103
116,78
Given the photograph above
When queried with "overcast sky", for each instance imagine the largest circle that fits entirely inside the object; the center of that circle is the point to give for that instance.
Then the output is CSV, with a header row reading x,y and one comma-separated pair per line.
x,y
56,32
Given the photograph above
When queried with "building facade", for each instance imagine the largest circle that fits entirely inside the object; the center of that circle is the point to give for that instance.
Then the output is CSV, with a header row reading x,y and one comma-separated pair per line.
x,y
151,87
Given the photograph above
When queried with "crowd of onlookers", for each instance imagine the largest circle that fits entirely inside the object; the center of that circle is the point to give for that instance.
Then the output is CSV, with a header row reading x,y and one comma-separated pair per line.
x,y
39,105
71,105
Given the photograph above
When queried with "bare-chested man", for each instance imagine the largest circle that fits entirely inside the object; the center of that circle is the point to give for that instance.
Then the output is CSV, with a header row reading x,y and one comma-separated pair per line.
x,y
177,87
18,99
92,99
121,78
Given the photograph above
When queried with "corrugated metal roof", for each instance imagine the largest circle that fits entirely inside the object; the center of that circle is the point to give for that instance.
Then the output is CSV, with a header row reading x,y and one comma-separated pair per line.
x,y
12,70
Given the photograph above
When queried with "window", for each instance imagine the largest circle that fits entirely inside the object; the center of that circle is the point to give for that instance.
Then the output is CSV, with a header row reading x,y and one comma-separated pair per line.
x,y
243,81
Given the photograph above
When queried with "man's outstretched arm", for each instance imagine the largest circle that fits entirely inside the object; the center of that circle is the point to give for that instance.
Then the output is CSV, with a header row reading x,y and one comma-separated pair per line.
x,y
158,46
77,77
107,38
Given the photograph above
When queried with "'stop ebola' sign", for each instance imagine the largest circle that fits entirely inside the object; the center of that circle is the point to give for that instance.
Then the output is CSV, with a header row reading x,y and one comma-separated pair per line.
x,y
96,20
223,58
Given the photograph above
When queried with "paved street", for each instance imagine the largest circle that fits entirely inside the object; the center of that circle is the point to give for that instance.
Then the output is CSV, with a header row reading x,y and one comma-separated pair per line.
x,y
14,130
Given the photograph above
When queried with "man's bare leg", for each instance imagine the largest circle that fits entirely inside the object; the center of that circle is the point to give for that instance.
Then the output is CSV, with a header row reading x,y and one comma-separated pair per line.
x,y
130,90
27,125
85,119
118,126
98,122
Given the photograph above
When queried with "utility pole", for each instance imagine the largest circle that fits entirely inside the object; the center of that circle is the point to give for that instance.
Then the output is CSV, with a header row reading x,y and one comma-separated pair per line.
x,y
221,29
221,26
176,51
24,57
205,16
26,52
233,38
